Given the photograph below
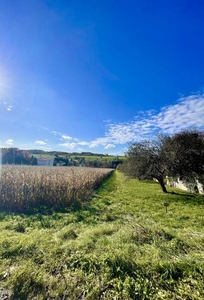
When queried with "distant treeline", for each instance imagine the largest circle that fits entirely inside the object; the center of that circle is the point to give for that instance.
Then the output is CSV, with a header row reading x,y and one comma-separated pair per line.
x,y
17,157
83,162
37,151
83,159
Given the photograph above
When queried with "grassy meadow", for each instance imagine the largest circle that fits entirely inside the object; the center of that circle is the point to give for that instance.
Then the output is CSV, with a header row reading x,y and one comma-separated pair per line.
x,y
121,244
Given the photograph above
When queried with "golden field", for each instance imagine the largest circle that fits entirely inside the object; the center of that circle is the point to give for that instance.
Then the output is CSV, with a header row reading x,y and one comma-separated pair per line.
x,y
33,188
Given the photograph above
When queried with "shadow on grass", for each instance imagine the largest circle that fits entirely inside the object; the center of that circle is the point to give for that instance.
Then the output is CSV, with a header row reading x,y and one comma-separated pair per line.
x,y
3,215
187,198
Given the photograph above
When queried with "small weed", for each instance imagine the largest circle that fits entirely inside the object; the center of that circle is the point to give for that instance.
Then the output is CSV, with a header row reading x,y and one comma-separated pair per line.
x,y
19,227
108,217
68,234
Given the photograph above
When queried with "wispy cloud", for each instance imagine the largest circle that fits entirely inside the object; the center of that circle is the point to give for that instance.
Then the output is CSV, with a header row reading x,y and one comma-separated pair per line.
x,y
9,107
55,132
62,136
186,113
6,106
40,143
109,146
9,142
99,142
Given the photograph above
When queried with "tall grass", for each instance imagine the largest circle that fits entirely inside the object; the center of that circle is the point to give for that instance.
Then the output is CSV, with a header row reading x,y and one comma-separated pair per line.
x,y
25,189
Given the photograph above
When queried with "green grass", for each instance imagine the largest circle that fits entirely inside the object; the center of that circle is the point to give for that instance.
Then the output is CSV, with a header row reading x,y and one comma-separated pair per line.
x,y
121,245
87,157
99,157
48,156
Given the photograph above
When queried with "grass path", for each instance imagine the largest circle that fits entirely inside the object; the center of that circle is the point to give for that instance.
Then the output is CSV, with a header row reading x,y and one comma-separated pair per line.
x,y
121,245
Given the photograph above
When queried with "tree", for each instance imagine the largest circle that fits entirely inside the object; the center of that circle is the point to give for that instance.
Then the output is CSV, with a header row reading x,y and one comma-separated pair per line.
x,y
15,156
180,155
186,154
34,161
146,160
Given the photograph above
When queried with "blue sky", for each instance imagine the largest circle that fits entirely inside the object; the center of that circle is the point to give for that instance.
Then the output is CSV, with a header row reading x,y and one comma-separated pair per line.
x,y
96,75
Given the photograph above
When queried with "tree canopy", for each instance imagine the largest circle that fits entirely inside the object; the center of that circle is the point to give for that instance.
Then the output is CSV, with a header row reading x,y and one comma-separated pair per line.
x,y
179,155
186,154
17,157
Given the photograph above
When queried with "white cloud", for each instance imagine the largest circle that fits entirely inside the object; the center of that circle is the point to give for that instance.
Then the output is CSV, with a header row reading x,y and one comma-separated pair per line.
x,y
83,143
9,142
109,146
107,121
69,145
99,142
187,113
62,136
44,128
66,137
55,132
9,107
40,142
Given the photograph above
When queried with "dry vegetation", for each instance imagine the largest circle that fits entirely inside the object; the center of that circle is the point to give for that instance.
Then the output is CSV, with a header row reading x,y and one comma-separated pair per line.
x,y
28,189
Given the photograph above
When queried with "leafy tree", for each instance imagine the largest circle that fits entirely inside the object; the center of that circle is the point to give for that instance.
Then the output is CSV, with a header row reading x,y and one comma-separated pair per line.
x,y
15,156
11,156
186,154
180,155
60,160
34,161
146,160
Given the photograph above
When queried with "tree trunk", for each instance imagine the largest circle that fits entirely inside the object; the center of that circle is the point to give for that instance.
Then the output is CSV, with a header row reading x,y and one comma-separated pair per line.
x,y
161,182
163,186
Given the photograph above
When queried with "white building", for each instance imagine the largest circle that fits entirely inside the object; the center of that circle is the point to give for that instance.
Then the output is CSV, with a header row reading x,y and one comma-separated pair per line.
x,y
193,187
45,161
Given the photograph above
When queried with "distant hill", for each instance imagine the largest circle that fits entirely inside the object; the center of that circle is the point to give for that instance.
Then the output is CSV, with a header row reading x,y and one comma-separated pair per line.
x,y
62,153
60,158
85,159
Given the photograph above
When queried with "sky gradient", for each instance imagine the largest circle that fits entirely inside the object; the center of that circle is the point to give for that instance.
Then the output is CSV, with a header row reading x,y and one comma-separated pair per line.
x,y
96,75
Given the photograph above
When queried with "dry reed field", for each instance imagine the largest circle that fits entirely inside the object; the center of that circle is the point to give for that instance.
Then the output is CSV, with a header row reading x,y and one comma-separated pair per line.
x,y
33,188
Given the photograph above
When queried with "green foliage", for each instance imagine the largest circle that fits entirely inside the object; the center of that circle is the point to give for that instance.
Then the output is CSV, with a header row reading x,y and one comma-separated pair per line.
x,y
186,154
121,245
147,160
16,156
